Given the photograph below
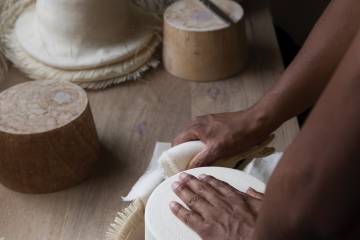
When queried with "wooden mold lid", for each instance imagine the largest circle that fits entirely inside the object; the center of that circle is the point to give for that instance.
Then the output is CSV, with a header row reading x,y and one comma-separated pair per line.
x,y
193,15
48,137
40,106
199,45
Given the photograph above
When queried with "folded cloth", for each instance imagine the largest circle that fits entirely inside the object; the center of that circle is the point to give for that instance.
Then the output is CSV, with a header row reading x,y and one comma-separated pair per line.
x,y
262,168
152,177
166,162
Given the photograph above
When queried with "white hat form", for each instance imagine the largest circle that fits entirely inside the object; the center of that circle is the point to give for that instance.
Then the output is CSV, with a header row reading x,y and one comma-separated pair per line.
x,y
90,42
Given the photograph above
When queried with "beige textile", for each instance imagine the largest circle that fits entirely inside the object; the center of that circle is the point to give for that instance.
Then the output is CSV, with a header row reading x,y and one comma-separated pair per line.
x,y
78,34
95,43
166,162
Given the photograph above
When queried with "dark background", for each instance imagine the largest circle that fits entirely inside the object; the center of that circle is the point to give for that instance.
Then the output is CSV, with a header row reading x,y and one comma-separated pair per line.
x,y
297,17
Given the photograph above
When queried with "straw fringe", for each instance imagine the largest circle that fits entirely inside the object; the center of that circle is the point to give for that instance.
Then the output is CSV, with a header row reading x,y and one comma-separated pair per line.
x,y
6,15
98,78
153,63
126,221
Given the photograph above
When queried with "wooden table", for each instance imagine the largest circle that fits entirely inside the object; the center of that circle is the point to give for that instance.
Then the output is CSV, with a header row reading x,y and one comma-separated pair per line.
x,y
130,118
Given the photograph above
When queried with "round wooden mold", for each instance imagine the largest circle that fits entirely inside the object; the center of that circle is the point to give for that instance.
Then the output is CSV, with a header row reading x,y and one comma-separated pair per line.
x,y
201,46
48,139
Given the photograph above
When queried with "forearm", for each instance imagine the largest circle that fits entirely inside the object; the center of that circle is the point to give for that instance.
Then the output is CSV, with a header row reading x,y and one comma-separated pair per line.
x,y
304,80
313,193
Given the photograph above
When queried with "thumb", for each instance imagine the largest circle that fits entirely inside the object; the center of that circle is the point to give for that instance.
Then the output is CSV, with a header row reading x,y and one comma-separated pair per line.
x,y
255,194
204,158
185,137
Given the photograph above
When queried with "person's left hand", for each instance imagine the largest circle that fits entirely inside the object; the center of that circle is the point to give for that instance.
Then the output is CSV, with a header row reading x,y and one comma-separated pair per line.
x,y
217,210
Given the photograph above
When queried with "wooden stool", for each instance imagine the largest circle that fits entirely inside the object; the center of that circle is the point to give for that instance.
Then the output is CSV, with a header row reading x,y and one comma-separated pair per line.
x,y
48,140
199,45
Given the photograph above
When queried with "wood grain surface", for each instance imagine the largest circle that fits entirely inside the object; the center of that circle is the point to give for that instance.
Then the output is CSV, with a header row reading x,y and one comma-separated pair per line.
x,y
130,119
194,51
48,140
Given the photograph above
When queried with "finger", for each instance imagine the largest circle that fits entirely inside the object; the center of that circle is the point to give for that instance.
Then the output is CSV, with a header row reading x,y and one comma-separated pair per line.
x,y
194,131
191,219
204,190
220,186
189,135
193,201
254,200
255,194
204,158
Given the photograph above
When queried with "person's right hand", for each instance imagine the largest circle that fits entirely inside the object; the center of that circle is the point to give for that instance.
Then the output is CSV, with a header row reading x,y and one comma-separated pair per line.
x,y
225,134
215,210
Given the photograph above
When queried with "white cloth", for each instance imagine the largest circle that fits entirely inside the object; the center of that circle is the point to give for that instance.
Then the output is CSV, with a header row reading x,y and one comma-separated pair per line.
x,y
65,34
260,168
152,177
82,52
165,162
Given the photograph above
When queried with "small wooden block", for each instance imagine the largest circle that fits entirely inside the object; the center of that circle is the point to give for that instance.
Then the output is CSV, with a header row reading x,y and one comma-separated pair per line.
x,y
48,139
201,46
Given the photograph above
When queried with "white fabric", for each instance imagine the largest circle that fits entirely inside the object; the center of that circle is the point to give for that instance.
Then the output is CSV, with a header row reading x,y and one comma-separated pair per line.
x,y
262,168
96,78
152,177
167,161
80,34
176,159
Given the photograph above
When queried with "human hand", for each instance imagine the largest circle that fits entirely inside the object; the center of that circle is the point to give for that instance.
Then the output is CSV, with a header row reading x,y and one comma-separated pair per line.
x,y
217,210
225,134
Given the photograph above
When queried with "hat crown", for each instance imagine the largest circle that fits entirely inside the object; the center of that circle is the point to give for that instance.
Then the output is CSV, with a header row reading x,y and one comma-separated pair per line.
x,y
79,20
83,34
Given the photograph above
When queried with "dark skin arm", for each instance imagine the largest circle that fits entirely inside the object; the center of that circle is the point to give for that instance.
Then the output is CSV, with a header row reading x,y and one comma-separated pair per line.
x,y
306,78
217,210
314,192
229,134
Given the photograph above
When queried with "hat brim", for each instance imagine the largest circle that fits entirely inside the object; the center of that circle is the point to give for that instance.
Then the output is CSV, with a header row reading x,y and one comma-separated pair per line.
x,y
61,54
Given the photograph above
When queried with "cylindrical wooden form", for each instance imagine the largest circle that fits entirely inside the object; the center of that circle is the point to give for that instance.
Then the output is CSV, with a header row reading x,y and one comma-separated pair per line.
x,y
199,45
48,140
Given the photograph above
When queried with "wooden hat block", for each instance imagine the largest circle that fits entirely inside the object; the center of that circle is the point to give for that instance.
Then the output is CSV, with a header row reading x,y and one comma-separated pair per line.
x,y
201,46
48,140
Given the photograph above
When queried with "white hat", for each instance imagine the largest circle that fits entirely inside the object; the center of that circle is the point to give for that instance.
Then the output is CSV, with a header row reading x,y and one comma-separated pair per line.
x,y
83,41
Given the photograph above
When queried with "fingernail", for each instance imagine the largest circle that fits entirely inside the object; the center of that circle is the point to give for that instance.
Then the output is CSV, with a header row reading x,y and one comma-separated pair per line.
x,y
175,185
183,175
173,205
202,176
